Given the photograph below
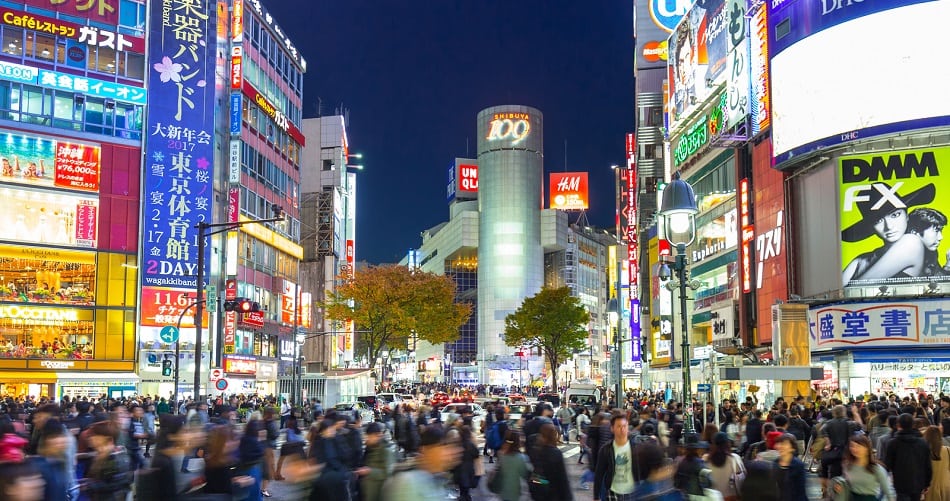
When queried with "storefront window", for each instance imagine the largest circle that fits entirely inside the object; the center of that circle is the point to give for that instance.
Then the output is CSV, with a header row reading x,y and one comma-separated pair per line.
x,y
47,217
45,332
40,281
12,41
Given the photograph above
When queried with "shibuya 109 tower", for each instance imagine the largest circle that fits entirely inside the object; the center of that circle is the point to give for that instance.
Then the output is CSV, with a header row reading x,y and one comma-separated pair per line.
x,y
510,256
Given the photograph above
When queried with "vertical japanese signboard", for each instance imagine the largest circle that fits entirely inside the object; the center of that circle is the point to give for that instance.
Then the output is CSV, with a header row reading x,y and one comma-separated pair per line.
x,y
631,235
179,154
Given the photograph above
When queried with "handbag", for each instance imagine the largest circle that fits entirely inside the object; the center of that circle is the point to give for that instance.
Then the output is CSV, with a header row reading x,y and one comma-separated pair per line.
x,y
737,477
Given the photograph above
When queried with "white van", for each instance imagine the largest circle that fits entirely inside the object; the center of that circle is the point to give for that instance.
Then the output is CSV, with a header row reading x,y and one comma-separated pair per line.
x,y
582,392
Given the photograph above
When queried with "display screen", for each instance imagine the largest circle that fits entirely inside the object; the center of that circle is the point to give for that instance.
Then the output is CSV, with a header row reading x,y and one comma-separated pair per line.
x,y
48,218
856,71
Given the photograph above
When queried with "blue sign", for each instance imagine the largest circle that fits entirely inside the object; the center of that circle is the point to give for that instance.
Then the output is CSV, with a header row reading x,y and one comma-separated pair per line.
x,y
635,355
704,388
72,83
179,148
667,13
236,114
169,334
221,384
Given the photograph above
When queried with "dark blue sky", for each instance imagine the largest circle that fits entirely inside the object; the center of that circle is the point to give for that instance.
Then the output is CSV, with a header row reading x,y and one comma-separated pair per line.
x,y
414,73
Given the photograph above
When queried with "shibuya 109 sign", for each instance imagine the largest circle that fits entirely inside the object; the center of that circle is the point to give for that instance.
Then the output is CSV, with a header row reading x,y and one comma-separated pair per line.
x,y
514,127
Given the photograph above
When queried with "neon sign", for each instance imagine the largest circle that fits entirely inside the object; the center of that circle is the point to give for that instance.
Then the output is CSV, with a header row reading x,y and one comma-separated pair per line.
x,y
513,126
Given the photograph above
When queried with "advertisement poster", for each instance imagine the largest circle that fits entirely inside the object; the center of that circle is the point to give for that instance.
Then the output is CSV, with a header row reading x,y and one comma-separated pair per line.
x,y
43,161
45,217
654,20
894,206
569,191
103,11
698,57
916,323
179,151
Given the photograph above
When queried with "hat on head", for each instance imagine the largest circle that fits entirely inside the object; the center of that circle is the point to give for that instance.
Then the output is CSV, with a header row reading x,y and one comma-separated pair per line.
x,y
881,201
691,441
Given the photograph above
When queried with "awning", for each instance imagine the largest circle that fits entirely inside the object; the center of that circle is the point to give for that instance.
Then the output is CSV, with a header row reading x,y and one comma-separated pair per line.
x,y
102,378
9,377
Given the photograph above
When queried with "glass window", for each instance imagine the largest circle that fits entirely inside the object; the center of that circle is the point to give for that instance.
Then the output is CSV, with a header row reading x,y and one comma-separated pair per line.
x,y
95,115
45,47
12,41
134,66
106,60
60,53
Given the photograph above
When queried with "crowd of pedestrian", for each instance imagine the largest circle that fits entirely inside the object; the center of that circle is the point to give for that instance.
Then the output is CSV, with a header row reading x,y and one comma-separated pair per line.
x,y
882,448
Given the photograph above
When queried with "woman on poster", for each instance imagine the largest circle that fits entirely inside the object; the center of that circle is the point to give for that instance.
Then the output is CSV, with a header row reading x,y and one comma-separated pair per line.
x,y
902,253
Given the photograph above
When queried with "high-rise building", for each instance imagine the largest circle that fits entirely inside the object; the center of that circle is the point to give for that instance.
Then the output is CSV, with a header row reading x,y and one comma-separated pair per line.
x,y
328,211
72,102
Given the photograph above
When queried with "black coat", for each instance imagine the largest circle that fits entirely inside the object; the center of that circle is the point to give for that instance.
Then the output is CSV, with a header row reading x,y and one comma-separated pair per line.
x,y
908,458
791,481
464,472
548,462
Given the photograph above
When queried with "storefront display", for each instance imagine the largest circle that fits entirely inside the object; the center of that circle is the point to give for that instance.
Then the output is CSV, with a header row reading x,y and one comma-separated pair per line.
x,y
28,274
44,217
45,332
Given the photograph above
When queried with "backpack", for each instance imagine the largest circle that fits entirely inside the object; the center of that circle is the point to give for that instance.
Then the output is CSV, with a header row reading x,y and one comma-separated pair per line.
x,y
494,439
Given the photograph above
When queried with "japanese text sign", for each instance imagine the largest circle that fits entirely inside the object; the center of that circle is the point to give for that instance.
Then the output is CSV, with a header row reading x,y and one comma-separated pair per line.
x,y
72,83
240,365
163,306
880,324
569,190
103,11
91,35
179,152
42,161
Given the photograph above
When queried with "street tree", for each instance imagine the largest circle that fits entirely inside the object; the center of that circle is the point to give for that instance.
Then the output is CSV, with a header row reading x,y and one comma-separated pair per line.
x,y
390,303
552,321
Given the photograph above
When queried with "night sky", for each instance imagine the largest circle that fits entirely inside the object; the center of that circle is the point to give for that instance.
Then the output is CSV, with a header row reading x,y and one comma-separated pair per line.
x,y
414,73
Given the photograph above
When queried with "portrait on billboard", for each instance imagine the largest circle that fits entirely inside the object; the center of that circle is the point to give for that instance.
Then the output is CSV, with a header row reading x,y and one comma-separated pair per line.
x,y
698,53
892,217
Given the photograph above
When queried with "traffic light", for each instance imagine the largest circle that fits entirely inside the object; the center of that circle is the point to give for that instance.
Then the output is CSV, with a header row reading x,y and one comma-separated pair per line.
x,y
242,305
167,367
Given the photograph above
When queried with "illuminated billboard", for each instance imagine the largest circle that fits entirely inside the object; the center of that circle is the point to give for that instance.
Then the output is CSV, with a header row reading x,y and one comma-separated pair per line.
x,y
707,50
653,22
569,191
761,98
888,86
179,150
89,35
894,206
71,83
43,161
463,180
103,11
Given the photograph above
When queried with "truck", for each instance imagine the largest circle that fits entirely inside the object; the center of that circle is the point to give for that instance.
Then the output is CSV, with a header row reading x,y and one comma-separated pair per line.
x,y
582,392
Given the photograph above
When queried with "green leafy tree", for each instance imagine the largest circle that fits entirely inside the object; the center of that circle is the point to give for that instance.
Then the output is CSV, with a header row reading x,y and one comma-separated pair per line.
x,y
389,303
552,321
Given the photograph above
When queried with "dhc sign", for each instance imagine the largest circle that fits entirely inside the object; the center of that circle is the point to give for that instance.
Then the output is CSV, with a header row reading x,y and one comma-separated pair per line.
x,y
667,13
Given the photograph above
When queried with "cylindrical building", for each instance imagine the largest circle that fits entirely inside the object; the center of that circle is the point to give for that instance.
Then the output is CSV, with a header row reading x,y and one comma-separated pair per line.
x,y
510,256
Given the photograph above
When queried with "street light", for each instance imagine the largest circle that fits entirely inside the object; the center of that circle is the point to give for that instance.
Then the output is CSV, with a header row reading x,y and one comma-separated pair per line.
x,y
677,225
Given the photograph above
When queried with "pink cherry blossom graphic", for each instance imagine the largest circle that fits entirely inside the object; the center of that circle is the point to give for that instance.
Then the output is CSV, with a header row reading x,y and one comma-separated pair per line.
x,y
168,70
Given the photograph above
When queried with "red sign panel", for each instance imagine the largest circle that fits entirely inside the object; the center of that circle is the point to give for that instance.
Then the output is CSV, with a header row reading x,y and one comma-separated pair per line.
x,y
569,191
234,364
237,75
468,178
77,166
163,306
86,219
90,35
255,318
104,11
230,328
748,235
234,204
230,289
237,22
271,111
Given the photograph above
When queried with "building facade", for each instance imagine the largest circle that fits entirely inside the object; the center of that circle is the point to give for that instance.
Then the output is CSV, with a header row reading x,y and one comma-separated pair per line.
x,y
72,102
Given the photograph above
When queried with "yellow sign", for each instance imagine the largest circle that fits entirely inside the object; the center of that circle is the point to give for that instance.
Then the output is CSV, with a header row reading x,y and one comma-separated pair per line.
x,y
271,238
70,256
44,315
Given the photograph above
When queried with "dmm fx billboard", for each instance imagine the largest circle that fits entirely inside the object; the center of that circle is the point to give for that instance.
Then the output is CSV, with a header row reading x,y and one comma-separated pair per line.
x,y
569,191
897,324
894,206
707,50
179,152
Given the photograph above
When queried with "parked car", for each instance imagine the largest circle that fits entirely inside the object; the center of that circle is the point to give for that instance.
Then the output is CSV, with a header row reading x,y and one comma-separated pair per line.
x,y
410,399
517,411
516,397
389,400
478,413
552,398
464,397
366,413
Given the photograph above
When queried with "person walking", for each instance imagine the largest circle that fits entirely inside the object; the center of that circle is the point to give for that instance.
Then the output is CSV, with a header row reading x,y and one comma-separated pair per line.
x,y
614,474
789,470
564,416
939,489
464,473
909,460
378,461
109,476
863,479
513,467
727,470
549,476
437,455
581,424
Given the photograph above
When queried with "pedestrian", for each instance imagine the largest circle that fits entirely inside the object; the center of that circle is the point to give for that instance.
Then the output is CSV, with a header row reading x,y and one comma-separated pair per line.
x,y
251,457
614,477
271,434
293,445
424,482
333,483
378,461
690,465
727,472
513,467
222,477
939,489
53,462
789,470
652,476
564,417
836,431
581,424
136,433
464,473
549,475
109,477
863,478
908,457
